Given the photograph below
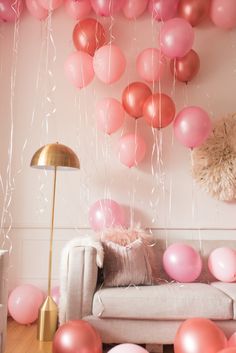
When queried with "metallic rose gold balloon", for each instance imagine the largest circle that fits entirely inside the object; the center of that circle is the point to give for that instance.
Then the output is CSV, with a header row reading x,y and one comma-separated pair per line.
x,y
193,11
133,98
159,110
185,68
88,35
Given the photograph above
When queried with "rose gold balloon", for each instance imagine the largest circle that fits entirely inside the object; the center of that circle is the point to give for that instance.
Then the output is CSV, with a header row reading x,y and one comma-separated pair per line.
x,y
77,336
159,110
193,11
88,36
185,68
133,98
199,335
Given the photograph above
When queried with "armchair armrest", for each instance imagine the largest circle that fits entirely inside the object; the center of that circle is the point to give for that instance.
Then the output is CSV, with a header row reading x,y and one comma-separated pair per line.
x,y
78,280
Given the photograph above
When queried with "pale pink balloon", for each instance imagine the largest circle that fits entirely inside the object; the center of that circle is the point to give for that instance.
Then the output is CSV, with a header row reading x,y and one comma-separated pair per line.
x,y
55,294
10,10
223,13
50,4
133,9
150,64
110,115
107,7
24,303
127,347
36,10
182,263
222,264
163,10
232,340
176,37
131,149
192,126
79,69
109,63
106,213
78,9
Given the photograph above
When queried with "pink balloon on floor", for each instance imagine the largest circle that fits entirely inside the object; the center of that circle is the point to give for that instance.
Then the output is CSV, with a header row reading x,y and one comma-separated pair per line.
x,y
232,340
163,10
24,303
107,7
192,126
228,350
176,38
133,9
109,63
10,10
36,10
55,294
150,64
127,348
110,115
222,264
223,13
78,9
79,69
131,150
106,213
182,263
50,4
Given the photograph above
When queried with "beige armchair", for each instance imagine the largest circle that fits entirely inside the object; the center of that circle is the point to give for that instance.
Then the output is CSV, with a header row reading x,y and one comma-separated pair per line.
x,y
3,297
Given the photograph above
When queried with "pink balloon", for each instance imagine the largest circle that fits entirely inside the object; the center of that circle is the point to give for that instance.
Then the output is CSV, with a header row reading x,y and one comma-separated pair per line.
x,y
232,340
109,63
50,4
228,350
222,264
176,38
131,150
133,9
150,64
110,115
192,126
78,9
223,13
79,69
55,294
10,10
163,10
107,7
127,348
106,214
36,10
24,303
182,263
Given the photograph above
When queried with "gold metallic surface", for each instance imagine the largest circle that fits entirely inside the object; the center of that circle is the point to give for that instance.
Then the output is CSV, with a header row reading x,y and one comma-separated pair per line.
x,y
47,321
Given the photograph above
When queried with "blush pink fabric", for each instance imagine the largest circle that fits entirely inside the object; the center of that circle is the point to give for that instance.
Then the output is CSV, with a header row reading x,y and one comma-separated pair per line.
x,y
130,258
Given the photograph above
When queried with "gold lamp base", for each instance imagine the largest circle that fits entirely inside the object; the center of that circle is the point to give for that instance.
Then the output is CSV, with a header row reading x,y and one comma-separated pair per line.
x,y
47,322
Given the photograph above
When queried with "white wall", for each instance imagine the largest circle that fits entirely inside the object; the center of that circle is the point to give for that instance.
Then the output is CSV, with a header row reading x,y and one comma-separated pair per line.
x,y
166,199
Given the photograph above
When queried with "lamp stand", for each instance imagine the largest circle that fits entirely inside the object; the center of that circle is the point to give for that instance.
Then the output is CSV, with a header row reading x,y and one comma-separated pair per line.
x,y
48,312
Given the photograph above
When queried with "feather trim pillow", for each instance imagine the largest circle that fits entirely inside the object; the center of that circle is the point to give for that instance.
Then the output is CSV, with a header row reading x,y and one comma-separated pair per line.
x,y
130,258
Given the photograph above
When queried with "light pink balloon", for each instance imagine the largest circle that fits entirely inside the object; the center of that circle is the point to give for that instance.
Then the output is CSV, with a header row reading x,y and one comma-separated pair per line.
x,y
127,347
133,9
131,149
192,126
163,10
150,64
222,264
107,7
24,303
50,4
55,294
106,213
36,10
10,10
223,13
110,115
182,263
109,63
78,9
176,38
232,340
79,69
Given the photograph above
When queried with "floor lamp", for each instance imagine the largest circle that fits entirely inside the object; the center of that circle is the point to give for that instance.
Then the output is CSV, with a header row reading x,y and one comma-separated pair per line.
x,y
55,157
